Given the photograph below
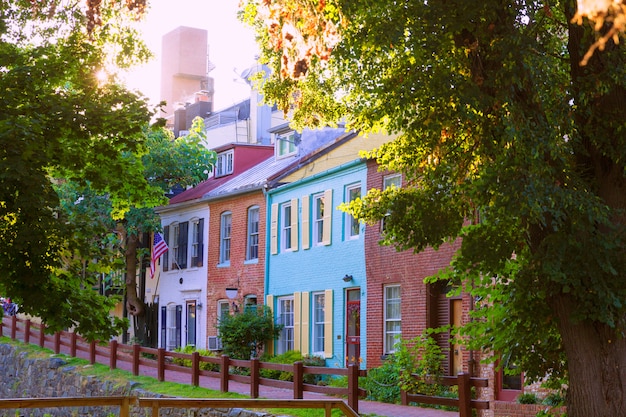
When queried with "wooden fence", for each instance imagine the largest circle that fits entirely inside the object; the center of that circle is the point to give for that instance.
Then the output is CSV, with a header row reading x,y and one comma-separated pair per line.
x,y
155,404
465,403
162,360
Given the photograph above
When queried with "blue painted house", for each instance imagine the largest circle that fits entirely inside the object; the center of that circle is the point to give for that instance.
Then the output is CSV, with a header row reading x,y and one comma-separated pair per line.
x,y
315,257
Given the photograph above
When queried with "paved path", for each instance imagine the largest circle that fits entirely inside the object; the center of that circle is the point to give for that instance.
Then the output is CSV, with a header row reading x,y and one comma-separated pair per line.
x,y
366,408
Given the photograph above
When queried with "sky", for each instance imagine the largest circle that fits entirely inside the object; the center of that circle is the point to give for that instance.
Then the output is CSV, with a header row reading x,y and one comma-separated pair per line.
x,y
232,47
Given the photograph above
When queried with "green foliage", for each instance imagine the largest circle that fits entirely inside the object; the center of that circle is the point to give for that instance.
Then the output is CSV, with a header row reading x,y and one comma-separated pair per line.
x,y
244,333
505,141
527,398
383,383
205,366
290,358
419,356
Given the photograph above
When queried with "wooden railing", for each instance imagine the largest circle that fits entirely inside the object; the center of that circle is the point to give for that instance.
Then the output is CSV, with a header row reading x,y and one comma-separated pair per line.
x,y
155,404
162,360
464,402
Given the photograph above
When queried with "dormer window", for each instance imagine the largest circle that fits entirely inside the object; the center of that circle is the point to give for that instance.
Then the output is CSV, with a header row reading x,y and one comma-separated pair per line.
x,y
286,143
224,164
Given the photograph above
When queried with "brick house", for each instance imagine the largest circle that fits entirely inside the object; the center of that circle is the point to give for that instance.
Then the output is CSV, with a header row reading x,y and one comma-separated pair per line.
x,y
181,287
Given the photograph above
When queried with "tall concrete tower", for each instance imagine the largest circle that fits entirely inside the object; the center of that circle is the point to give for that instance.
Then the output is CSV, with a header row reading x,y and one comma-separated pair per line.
x,y
184,69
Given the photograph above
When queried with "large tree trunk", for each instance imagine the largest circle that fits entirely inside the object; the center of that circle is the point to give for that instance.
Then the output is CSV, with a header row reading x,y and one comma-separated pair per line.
x,y
596,365
134,305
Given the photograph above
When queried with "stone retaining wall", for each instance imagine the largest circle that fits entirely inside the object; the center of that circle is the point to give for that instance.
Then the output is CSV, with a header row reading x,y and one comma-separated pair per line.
x,y
34,376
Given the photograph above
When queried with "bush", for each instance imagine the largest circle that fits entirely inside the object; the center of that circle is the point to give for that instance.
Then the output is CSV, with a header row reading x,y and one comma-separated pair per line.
x,y
383,383
205,366
554,399
244,333
289,358
528,398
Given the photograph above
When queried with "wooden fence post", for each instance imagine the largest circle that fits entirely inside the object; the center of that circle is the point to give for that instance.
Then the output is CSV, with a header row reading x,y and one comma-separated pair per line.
x,y
353,387
298,379
42,335
161,364
92,352
27,332
254,378
57,342
113,354
465,395
136,359
125,407
13,327
73,344
224,374
195,369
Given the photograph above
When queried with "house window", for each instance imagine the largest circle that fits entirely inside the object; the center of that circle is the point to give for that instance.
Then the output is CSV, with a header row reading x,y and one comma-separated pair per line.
x,y
197,248
252,247
394,180
319,302
393,329
318,219
223,309
165,259
224,163
183,239
285,226
225,233
174,248
285,316
286,144
353,226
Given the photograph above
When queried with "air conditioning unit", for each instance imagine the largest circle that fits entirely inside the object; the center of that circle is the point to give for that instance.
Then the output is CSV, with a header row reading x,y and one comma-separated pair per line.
x,y
215,343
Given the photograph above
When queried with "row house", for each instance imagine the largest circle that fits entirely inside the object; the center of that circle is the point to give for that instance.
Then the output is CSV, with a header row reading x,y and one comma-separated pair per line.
x,y
316,278
182,284
216,238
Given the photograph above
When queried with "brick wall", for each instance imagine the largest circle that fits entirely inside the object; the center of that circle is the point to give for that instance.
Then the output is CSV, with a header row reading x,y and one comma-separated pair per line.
x,y
248,277
386,266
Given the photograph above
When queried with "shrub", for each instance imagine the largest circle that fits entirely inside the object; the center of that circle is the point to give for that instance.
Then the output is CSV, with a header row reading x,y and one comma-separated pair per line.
x,y
289,358
205,366
528,398
423,357
244,333
554,399
383,383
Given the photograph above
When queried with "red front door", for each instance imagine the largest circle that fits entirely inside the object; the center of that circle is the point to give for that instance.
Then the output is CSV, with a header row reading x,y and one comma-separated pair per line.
x,y
353,327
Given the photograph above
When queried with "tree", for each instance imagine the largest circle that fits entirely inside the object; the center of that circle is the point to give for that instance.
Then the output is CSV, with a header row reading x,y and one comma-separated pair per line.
x,y
59,120
508,140
106,243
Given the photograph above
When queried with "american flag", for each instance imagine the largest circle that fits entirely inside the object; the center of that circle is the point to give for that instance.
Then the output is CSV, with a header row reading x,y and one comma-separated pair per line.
x,y
159,247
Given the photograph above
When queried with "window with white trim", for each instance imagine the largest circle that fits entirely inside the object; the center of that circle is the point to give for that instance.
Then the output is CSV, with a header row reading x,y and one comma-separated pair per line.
x,y
252,246
175,230
318,219
224,163
393,322
223,309
393,180
225,235
285,226
319,307
353,226
285,316
286,144
197,247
